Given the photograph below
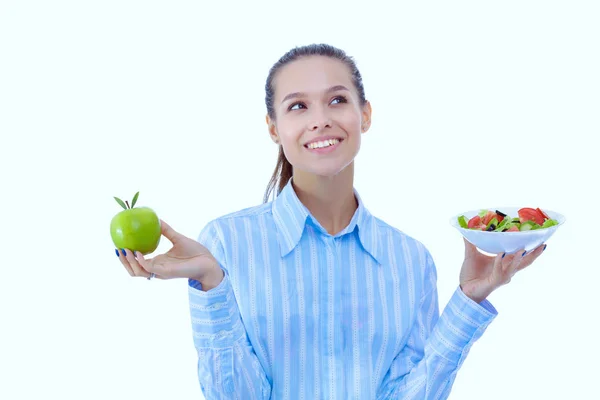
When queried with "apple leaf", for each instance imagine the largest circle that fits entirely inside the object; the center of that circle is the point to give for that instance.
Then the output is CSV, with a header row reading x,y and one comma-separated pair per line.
x,y
134,199
121,202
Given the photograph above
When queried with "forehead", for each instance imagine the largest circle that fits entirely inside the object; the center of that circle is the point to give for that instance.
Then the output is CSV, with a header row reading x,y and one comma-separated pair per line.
x,y
311,74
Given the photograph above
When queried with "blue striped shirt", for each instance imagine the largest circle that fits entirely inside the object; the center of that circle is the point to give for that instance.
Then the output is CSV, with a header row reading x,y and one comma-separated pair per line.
x,y
302,314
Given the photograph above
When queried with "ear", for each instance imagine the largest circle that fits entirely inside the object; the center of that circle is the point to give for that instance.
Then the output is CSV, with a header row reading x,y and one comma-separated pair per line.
x,y
366,117
272,129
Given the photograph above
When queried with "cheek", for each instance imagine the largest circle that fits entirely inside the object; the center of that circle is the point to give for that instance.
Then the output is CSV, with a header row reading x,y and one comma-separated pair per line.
x,y
352,121
289,132
353,128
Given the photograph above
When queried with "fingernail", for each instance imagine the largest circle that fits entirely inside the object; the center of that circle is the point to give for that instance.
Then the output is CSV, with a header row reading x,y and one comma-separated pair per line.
x,y
117,252
123,251
544,247
522,255
503,255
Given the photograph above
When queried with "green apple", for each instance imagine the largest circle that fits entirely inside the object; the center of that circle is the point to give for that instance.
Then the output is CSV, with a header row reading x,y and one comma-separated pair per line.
x,y
136,229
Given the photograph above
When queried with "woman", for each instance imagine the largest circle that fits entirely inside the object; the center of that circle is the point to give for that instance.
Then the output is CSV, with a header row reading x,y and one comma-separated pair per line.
x,y
309,296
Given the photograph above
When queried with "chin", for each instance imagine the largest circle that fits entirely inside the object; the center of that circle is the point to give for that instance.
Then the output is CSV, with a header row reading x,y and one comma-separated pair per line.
x,y
327,167
328,173
327,170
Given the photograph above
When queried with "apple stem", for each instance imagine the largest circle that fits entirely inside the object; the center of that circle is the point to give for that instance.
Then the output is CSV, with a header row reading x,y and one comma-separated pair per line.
x,y
126,202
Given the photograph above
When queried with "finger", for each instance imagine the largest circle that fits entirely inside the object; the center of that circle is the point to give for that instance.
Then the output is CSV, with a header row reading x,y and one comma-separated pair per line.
x,y
508,261
135,266
168,232
148,265
531,257
516,262
121,254
498,268
503,266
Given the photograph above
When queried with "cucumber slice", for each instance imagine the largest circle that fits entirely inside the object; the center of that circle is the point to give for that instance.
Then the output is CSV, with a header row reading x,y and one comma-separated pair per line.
x,y
494,222
463,222
507,226
549,222
527,226
502,225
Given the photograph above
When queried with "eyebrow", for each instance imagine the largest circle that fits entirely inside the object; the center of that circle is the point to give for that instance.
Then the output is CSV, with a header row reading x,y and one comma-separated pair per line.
x,y
300,94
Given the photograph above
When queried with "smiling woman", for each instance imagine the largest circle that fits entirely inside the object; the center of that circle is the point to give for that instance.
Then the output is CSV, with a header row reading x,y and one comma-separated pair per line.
x,y
308,295
328,89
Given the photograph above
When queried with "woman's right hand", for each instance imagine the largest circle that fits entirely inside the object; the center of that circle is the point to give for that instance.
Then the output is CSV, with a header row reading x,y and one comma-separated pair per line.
x,y
186,259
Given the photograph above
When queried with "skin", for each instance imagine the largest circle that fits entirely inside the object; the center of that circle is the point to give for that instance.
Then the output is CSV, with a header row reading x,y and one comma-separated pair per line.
x,y
323,182
186,259
306,109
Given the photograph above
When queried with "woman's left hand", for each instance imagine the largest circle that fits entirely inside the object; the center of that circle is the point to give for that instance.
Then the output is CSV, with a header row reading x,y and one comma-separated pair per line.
x,y
480,274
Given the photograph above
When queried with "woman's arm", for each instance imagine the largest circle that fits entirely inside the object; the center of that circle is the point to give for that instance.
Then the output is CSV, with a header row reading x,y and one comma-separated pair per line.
x,y
437,345
227,364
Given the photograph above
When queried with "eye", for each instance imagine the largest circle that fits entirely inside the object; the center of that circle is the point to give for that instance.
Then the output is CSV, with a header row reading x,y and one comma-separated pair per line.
x,y
339,100
296,106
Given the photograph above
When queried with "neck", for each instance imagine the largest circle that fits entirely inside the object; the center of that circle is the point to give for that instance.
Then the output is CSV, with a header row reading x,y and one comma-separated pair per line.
x,y
330,200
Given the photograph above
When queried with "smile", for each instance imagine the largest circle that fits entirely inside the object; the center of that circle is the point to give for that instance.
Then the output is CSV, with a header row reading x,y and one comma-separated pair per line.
x,y
322,144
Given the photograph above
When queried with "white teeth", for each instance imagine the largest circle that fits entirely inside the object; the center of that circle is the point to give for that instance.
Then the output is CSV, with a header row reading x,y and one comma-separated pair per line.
x,y
324,143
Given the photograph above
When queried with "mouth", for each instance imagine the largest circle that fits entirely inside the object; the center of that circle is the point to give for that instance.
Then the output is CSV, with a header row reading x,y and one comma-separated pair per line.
x,y
323,144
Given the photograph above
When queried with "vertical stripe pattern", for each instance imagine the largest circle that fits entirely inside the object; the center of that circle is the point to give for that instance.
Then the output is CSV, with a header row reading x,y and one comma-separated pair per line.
x,y
302,314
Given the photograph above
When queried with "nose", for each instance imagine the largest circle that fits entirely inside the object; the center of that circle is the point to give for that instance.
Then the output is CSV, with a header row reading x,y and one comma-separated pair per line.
x,y
320,120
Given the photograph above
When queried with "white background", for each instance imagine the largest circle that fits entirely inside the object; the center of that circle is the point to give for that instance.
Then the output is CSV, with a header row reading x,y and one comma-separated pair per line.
x,y
475,104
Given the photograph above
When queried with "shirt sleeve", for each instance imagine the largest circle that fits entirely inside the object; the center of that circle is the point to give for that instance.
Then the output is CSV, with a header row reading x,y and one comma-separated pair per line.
x,y
437,346
228,367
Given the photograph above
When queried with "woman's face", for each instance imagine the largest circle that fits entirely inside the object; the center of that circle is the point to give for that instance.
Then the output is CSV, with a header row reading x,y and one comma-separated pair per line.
x,y
319,118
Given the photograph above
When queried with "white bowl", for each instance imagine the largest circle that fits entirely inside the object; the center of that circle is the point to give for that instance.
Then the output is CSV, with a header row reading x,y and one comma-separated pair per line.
x,y
507,242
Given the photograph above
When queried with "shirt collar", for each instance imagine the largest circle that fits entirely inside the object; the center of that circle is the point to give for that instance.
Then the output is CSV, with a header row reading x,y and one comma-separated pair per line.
x,y
291,218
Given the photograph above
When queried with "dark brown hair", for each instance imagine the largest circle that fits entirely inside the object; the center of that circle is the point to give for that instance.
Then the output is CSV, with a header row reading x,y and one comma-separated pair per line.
x,y
283,169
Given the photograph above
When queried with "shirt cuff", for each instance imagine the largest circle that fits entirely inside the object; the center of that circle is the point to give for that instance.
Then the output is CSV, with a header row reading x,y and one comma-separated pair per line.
x,y
216,321
460,325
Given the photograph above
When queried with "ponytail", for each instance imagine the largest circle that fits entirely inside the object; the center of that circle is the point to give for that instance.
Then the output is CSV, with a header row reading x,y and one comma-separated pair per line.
x,y
281,175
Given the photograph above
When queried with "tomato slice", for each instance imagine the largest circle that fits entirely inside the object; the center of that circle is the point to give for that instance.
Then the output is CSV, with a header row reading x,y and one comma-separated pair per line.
x,y
543,213
530,214
488,217
512,229
474,222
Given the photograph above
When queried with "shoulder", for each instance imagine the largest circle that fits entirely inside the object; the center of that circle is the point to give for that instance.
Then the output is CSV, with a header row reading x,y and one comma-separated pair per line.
x,y
408,251
233,221
225,235
245,213
391,233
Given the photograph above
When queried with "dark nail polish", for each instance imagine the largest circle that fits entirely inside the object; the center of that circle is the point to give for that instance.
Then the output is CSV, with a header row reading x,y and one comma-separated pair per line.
x,y
544,247
123,251
525,252
503,255
117,252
